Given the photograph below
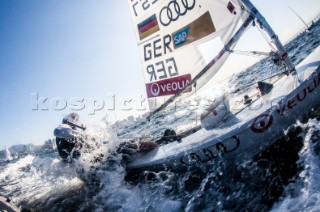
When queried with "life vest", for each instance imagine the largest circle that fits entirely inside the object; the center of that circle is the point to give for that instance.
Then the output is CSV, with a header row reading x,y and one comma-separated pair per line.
x,y
66,140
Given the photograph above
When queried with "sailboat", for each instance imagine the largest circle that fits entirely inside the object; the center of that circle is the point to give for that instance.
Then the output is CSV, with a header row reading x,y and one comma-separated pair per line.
x,y
8,156
171,35
301,19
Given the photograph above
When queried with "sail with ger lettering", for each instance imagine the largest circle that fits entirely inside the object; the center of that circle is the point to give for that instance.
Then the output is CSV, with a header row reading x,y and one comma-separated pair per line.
x,y
178,38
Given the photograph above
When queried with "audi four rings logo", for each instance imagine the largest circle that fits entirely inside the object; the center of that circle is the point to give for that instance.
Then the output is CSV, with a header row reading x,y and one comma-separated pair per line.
x,y
174,10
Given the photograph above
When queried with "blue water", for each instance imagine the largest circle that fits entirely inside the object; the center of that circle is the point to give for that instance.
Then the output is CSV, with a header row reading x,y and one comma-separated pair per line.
x,y
284,178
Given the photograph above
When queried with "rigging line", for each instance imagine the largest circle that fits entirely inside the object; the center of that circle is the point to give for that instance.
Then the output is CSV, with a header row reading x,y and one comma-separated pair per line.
x,y
249,85
273,36
255,94
251,53
266,37
195,95
246,106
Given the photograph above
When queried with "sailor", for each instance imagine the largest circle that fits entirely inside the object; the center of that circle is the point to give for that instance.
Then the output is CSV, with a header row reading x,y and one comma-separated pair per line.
x,y
68,137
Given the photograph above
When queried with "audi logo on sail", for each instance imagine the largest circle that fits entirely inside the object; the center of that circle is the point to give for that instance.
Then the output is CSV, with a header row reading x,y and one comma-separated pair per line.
x,y
174,10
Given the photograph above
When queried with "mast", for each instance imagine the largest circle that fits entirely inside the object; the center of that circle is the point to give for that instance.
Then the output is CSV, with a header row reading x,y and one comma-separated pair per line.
x,y
264,24
299,16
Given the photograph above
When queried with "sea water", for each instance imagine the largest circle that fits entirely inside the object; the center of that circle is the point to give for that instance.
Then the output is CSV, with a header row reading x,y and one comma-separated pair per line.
x,y
283,178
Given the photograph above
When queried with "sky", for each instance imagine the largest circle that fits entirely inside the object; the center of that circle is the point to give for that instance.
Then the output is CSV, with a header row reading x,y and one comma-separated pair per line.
x,y
66,51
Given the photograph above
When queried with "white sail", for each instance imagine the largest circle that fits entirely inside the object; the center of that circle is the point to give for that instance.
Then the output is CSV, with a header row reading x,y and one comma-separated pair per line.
x,y
8,154
174,37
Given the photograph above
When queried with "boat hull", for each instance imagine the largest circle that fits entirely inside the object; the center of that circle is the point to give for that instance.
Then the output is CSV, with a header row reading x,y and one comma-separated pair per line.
x,y
251,130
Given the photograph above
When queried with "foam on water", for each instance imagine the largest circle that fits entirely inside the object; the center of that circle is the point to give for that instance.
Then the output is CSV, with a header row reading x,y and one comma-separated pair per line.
x,y
304,195
31,179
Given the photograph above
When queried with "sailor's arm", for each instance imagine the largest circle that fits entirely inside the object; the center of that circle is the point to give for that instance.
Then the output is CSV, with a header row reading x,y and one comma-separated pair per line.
x,y
65,133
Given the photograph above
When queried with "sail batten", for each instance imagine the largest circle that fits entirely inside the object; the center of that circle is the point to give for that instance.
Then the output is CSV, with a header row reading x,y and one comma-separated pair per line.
x,y
172,35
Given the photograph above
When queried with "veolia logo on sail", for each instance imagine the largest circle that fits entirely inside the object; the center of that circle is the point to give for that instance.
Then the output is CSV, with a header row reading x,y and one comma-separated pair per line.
x,y
168,86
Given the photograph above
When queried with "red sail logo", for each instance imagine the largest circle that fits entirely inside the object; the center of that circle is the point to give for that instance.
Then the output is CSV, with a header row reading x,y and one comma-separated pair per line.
x,y
168,86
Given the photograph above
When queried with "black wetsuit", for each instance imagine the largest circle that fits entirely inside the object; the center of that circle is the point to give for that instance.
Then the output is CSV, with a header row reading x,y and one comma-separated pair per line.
x,y
66,147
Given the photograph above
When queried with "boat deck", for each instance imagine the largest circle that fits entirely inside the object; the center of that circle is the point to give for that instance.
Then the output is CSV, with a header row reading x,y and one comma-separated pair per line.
x,y
242,119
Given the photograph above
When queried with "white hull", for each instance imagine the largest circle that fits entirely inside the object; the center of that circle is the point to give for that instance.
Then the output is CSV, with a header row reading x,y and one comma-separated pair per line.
x,y
258,126
7,206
